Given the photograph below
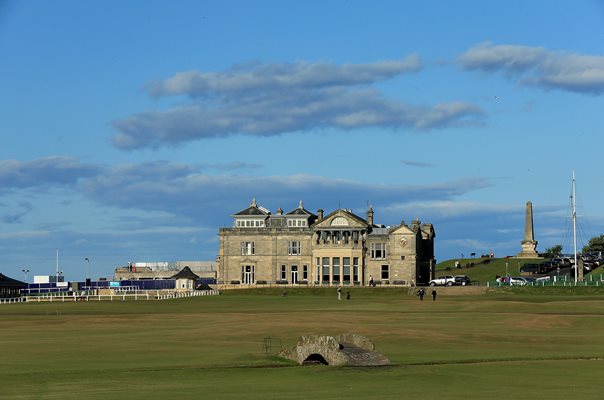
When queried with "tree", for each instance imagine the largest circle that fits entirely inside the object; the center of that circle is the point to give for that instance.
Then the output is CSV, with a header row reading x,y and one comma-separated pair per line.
x,y
553,251
596,243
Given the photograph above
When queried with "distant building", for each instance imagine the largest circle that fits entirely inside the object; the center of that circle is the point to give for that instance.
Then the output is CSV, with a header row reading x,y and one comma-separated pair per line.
x,y
164,270
48,278
185,279
300,247
9,287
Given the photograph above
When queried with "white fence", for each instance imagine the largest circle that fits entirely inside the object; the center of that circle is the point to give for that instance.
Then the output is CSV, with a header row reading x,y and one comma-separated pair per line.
x,y
140,295
13,300
194,293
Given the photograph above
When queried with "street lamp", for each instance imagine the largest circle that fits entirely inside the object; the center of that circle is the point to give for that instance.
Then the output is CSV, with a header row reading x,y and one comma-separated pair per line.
x,y
25,271
88,270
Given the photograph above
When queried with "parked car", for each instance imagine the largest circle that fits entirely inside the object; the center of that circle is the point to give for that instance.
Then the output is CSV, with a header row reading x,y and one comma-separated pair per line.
x,y
446,280
519,281
462,280
562,262
548,266
531,269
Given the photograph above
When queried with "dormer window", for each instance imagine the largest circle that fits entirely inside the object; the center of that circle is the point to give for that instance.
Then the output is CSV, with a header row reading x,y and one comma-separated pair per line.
x,y
296,222
249,223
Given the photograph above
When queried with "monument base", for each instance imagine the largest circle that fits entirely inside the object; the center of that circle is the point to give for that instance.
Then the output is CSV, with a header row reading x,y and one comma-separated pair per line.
x,y
528,249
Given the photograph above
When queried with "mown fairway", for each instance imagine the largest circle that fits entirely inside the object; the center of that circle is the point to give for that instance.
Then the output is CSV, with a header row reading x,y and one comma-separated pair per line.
x,y
505,345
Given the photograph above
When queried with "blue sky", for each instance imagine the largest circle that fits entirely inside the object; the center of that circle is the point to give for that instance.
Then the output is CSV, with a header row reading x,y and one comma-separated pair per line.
x,y
131,131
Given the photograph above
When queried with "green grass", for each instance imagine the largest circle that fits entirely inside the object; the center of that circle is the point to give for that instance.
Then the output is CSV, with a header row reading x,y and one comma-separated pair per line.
x,y
481,272
510,343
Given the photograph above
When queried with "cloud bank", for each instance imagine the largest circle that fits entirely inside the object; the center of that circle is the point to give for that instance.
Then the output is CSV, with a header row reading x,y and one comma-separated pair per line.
x,y
537,66
186,191
252,79
43,172
273,99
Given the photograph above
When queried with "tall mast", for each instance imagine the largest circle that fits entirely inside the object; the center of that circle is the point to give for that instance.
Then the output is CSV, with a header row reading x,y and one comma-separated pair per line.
x,y
574,205
57,274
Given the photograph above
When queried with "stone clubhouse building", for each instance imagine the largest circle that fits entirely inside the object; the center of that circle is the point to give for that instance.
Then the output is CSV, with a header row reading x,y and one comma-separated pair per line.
x,y
341,248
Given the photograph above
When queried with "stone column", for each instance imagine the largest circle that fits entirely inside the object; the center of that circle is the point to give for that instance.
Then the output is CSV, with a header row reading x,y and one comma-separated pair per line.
x,y
529,244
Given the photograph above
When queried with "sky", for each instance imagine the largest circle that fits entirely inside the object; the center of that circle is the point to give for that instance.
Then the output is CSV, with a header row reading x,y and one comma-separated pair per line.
x,y
132,131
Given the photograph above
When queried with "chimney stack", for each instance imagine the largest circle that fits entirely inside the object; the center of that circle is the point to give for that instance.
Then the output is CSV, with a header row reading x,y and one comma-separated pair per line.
x,y
320,213
370,216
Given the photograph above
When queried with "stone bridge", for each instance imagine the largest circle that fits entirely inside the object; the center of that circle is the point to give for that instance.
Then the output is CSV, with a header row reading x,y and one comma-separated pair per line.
x,y
346,349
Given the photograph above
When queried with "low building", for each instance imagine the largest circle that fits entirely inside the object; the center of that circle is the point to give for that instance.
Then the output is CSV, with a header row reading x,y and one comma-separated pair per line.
x,y
205,270
185,279
341,248
10,288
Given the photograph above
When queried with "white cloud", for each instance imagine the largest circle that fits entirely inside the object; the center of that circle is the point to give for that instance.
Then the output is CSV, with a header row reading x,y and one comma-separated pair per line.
x,y
538,66
451,208
43,172
257,78
273,99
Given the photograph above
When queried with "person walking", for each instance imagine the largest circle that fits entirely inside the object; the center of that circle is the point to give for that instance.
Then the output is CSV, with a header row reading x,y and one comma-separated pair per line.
x,y
340,293
433,295
421,294
347,295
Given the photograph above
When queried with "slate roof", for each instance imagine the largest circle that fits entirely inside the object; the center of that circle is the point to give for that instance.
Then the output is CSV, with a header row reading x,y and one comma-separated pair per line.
x,y
301,211
380,231
185,273
5,281
253,210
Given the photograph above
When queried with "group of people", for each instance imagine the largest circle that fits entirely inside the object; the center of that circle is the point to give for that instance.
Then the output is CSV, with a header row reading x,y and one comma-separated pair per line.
x,y
340,294
421,293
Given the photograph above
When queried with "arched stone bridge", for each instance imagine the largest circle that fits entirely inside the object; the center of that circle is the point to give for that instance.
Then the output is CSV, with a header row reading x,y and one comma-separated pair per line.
x,y
347,349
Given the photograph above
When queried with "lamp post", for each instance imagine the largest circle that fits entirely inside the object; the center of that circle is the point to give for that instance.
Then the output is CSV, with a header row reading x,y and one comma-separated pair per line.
x,y
88,270
25,271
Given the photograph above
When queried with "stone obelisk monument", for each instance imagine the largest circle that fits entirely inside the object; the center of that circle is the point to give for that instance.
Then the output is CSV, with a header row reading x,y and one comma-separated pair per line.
x,y
529,244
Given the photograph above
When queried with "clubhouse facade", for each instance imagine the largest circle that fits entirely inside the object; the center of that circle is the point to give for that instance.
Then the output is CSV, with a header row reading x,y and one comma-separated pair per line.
x,y
341,248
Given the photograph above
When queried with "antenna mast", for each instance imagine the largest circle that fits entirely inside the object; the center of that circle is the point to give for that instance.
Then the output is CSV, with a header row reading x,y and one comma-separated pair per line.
x,y
574,205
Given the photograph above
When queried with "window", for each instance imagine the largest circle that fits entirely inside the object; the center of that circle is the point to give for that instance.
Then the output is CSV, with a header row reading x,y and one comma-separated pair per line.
x,y
305,272
247,274
296,222
335,262
355,269
378,251
254,223
283,272
247,248
339,221
385,272
293,248
346,268
325,269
